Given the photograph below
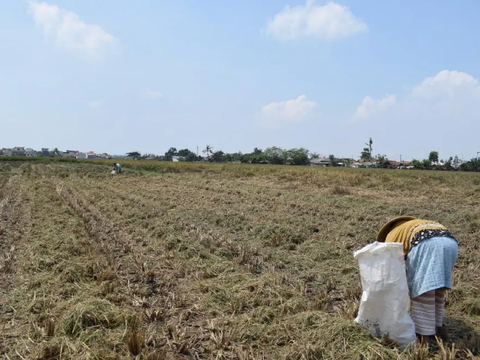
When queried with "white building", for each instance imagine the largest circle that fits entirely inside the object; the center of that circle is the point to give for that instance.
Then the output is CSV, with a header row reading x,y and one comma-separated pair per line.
x,y
320,162
6,152
178,158
30,152
18,151
45,152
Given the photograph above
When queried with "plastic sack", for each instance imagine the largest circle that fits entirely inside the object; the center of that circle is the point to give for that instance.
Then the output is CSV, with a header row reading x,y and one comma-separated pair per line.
x,y
385,304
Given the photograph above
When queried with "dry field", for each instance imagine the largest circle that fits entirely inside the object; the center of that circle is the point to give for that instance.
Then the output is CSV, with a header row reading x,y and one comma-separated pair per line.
x,y
213,261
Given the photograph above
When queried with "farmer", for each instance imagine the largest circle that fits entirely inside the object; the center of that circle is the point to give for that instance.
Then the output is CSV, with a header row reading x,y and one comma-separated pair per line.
x,y
117,168
431,253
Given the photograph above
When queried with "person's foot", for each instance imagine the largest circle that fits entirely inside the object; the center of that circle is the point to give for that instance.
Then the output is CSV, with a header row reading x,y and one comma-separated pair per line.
x,y
423,339
442,333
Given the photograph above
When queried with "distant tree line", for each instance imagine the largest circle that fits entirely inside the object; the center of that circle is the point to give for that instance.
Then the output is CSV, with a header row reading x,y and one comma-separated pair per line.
x,y
432,163
298,156
451,164
271,155
301,156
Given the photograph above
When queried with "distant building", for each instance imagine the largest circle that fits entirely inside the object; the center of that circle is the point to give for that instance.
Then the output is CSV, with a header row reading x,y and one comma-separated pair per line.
x,y
347,162
91,155
81,155
178,158
364,164
18,151
320,162
30,152
70,154
103,156
45,153
7,152
392,164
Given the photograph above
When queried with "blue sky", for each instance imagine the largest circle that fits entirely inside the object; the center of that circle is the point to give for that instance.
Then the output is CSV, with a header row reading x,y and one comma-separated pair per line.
x,y
117,75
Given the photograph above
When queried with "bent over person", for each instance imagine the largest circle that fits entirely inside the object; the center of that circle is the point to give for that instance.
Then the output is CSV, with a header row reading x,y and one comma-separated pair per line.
x,y
117,168
431,253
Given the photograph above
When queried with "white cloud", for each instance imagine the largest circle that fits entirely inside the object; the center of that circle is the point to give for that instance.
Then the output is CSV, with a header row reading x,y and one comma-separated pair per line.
x,y
95,104
152,94
68,31
439,113
447,95
370,107
330,22
446,84
290,111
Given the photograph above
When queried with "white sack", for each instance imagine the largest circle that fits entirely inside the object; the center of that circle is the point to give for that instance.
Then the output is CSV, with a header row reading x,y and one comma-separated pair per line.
x,y
385,304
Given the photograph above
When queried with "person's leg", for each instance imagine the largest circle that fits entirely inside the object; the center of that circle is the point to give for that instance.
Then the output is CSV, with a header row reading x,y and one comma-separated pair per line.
x,y
423,315
439,306
439,311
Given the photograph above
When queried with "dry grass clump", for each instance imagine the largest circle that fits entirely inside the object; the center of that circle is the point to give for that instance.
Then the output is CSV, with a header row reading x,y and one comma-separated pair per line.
x,y
135,342
51,352
92,314
179,261
49,326
341,190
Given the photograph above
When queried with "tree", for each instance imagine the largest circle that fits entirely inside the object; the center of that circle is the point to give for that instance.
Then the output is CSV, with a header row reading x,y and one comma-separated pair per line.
x,y
56,153
183,152
256,157
426,163
135,155
472,165
235,157
314,156
448,164
218,156
149,156
275,155
186,154
416,163
208,151
367,152
297,156
433,157
382,159
333,160
170,154
456,162
191,157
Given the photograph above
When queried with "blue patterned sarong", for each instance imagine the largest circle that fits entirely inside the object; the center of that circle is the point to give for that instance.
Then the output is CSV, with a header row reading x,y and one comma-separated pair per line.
x,y
430,265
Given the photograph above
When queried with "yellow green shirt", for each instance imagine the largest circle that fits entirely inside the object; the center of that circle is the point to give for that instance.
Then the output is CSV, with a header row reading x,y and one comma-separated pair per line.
x,y
413,231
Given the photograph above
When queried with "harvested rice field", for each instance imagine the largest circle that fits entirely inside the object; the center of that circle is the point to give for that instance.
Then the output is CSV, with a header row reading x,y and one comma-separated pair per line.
x,y
177,261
